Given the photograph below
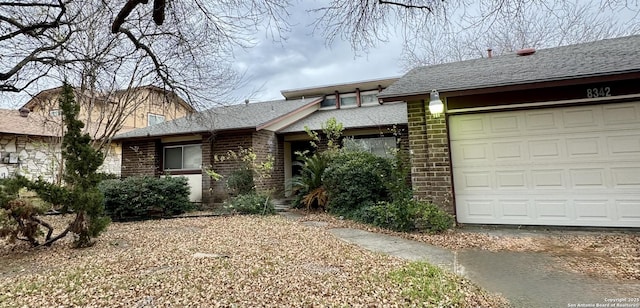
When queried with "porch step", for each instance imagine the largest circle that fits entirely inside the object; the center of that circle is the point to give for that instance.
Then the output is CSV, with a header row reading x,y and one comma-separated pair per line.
x,y
282,205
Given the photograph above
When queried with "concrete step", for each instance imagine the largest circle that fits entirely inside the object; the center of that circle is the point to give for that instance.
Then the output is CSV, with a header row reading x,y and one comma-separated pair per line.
x,y
282,205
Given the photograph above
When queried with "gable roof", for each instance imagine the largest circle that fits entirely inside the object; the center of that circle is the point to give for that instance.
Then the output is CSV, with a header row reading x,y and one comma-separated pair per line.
x,y
33,125
359,117
594,59
232,117
49,93
365,85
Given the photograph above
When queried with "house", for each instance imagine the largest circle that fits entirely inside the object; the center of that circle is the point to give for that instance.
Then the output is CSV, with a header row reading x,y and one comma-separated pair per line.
x,y
28,145
30,138
274,128
547,137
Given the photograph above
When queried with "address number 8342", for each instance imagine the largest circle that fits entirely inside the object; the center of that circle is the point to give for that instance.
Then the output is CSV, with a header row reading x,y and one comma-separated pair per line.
x,y
598,92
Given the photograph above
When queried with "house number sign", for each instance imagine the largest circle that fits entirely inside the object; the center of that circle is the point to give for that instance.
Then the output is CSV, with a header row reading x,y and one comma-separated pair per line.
x,y
598,92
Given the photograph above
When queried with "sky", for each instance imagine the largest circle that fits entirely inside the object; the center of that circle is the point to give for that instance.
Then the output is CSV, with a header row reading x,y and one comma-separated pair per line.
x,y
304,60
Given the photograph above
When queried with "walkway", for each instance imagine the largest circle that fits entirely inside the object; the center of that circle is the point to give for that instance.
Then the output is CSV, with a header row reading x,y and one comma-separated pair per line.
x,y
526,279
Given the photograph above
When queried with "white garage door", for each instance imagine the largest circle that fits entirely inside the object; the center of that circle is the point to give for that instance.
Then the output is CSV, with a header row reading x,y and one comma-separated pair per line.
x,y
570,166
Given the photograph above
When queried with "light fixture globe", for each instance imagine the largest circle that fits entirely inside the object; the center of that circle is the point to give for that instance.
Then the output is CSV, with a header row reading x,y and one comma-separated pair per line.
x,y
436,107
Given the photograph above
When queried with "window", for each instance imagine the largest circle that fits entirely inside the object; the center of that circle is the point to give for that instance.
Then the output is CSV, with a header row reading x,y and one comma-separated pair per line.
x,y
153,119
348,100
183,157
328,102
55,112
369,98
380,146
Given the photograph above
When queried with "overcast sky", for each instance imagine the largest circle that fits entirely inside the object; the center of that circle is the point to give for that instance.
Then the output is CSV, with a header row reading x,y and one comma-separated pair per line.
x,y
304,60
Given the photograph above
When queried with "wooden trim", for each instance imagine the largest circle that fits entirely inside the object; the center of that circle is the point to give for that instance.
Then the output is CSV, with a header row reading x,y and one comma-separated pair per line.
x,y
337,94
568,81
181,172
571,102
358,100
290,114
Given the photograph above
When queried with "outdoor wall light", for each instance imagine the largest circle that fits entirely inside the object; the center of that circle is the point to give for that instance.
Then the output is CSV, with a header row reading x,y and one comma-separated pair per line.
x,y
436,107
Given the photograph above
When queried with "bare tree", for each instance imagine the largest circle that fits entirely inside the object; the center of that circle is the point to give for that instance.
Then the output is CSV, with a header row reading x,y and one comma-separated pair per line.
x,y
514,26
437,31
190,53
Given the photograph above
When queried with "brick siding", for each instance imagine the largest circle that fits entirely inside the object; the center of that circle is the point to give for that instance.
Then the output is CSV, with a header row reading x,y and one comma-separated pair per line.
x,y
430,159
140,158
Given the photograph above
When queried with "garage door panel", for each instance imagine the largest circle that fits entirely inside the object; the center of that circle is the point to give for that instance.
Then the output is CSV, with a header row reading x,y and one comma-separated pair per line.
x,y
574,166
580,148
541,120
506,124
545,149
581,117
515,209
592,210
624,145
549,179
513,179
588,178
628,211
621,114
513,150
626,177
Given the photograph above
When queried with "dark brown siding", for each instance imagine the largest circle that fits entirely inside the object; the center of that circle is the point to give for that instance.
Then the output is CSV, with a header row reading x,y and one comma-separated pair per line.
x,y
140,158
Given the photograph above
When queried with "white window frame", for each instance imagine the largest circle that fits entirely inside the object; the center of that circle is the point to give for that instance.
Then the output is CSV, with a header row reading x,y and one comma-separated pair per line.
x,y
155,116
164,157
363,103
348,95
55,112
360,141
328,107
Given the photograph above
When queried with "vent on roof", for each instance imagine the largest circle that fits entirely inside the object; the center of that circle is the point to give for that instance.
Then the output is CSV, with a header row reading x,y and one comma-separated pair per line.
x,y
526,51
24,112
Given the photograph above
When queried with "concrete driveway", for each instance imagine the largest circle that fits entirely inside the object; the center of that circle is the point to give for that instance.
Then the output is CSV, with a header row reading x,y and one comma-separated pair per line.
x,y
526,279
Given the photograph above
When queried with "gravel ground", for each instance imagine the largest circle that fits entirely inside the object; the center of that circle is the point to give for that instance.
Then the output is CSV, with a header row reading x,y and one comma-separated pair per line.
x,y
606,254
208,261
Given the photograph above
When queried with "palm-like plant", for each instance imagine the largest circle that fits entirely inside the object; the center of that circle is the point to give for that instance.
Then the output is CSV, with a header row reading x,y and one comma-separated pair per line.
x,y
308,185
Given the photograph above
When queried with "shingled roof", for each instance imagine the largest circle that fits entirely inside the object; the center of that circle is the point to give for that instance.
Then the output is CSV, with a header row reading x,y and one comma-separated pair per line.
x,y
232,117
33,125
600,58
365,116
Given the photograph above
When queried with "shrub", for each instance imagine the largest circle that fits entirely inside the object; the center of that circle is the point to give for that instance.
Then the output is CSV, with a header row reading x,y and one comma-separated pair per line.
x,y
308,185
240,181
143,197
406,215
252,203
354,180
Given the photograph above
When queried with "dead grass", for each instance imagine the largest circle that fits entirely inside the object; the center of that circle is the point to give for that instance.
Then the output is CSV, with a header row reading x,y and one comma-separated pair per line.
x,y
609,255
209,261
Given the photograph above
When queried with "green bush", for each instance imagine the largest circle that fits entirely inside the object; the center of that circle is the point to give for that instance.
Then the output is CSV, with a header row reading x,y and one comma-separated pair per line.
x,y
240,182
310,192
406,215
355,180
143,197
251,203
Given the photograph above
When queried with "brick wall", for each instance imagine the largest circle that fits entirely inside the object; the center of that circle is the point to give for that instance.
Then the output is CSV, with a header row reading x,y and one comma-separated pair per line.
x,y
266,143
430,160
140,158
207,162
220,145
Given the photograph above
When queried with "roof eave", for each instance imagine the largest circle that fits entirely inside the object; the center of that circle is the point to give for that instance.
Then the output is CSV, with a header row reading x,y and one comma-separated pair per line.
x,y
538,83
287,115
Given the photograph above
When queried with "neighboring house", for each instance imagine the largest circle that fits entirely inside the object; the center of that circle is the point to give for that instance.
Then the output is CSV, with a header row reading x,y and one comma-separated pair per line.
x,y
276,128
41,129
27,146
549,138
